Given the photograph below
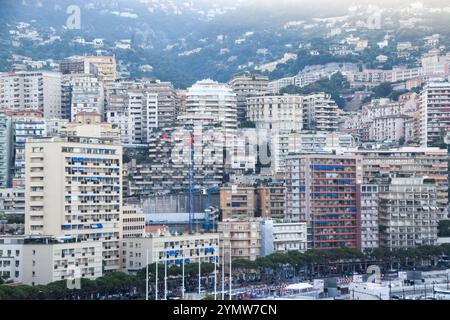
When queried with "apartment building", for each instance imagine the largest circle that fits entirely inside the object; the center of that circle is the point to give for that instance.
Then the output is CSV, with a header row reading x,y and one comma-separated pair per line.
x,y
143,115
369,217
240,237
66,97
275,86
382,164
12,201
271,200
434,112
408,213
24,90
104,67
284,142
211,103
323,190
26,125
140,108
245,86
395,128
87,95
168,103
46,260
321,112
238,202
305,141
89,124
170,249
6,141
284,112
54,126
83,177
282,237
11,258
133,222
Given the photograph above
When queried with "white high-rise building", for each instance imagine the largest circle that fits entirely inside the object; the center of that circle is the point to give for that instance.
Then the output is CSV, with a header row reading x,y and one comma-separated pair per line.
x,y
408,213
210,102
40,91
139,108
143,115
25,126
5,150
434,112
74,191
321,112
87,95
276,112
245,86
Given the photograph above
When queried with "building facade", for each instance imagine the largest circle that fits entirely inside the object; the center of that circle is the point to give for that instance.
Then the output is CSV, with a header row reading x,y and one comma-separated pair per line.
x,y
240,237
323,190
170,249
283,237
83,177
408,214
38,91
238,202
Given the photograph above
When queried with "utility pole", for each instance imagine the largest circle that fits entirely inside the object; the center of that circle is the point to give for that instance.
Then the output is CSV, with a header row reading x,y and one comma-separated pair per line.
x,y
215,277
146,279
231,275
165,279
182,288
199,275
223,270
157,261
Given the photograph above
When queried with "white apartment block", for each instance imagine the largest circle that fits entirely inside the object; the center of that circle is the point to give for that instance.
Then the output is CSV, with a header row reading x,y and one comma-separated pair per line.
x,y
168,103
286,142
31,91
312,141
245,86
87,95
5,150
170,249
143,115
321,112
282,237
249,84
12,201
408,213
11,258
275,86
74,190
382,164
46,260
25,127
276,112
139,108
133,222
369,217
391,128
213,103
434,112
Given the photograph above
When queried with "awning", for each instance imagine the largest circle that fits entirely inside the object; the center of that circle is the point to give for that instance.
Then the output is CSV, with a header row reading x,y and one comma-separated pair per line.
x,y
299,286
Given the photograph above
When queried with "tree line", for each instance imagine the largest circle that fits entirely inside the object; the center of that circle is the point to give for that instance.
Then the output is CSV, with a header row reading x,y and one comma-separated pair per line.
x,y
275,264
